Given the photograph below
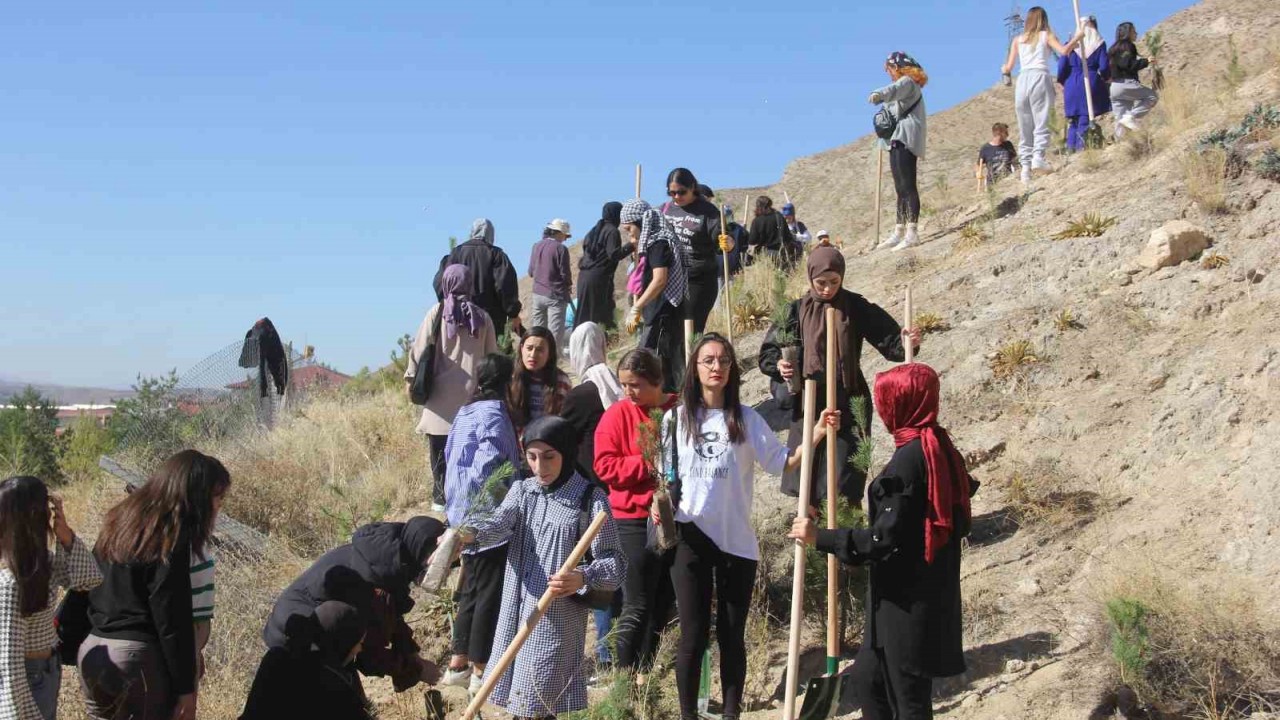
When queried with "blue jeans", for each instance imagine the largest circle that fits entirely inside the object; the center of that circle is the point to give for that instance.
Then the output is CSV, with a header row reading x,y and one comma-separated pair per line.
x,y
44,677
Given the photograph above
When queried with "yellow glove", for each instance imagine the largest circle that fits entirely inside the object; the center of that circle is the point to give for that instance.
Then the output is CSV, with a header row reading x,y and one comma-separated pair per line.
x,y
633,320
726,243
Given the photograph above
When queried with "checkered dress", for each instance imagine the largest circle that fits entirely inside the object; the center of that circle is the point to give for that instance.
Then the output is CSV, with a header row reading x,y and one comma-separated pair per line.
x,y
73,569
543,527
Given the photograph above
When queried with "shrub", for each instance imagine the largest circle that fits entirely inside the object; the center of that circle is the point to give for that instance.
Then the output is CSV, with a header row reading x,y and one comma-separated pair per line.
x,y
1213,261
1091,225
1066,320
1268,165
82,445
1260,118
1205,177
1038,495
971,236
28,437
928,323
1012,358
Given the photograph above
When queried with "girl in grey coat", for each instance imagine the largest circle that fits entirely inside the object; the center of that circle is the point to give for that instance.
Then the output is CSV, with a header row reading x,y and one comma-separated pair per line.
x,y
904,98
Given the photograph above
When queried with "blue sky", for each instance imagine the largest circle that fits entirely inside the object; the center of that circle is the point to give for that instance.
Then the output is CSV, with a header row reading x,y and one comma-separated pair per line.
x,y
171,172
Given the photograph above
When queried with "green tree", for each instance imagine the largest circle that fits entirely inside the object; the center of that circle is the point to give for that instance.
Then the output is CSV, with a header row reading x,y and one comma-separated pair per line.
x,y
29,437
84,442
151,424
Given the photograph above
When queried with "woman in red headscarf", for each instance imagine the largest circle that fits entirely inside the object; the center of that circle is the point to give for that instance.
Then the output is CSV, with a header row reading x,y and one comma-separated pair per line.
x,y
919,511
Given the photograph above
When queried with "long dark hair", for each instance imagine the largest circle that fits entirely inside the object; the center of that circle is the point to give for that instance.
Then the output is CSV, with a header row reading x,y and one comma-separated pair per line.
x,y
177,500
684,178
1123,31
643,363
548,377
764,205
493,377
691,394
24,539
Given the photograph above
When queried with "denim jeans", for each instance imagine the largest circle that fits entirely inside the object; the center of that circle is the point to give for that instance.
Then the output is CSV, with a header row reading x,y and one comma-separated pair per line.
x,y
44,677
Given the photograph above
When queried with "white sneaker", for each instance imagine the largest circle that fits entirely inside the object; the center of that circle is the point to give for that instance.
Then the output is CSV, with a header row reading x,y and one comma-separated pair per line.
x,y
1041,166
1026,175
894,238
474,686
456,678
437,507
1128,123
910,239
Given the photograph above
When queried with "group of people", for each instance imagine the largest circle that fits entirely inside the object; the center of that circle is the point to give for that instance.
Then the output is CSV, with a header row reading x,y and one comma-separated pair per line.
x,y
1095,80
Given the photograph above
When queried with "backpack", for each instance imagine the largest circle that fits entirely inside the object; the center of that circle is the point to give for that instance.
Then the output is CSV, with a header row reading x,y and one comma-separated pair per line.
x,y
424,374
886,124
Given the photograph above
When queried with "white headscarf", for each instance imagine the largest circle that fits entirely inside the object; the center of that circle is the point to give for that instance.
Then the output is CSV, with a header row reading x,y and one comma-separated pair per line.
x,y
586,354
1092,38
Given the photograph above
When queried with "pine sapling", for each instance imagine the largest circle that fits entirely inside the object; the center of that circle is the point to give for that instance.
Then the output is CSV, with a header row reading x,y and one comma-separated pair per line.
x,y
649,439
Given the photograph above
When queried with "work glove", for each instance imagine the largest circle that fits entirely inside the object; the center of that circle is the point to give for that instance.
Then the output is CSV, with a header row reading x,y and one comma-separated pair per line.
x,y
726,243
633,320
876,98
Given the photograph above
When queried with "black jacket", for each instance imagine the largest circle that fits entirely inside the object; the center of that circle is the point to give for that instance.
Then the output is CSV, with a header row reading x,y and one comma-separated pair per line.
x,y
583,410
912,606
1125,63
494,285
151,602
303,686
263,350
770,232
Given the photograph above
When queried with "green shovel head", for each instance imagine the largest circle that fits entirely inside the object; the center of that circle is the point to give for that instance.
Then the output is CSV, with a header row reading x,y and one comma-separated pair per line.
x,y
821,695
1093,136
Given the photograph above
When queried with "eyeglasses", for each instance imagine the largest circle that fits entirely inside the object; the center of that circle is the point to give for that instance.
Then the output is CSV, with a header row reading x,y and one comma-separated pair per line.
x,y
713,363
678,193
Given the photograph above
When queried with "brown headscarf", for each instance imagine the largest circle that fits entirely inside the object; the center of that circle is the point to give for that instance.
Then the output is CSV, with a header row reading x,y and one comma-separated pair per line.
x,y
813,330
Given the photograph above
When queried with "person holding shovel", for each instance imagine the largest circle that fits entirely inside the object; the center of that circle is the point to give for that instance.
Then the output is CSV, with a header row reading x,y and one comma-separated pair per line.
x,y
798,350
717,442
904,98
695,220
1071,76
662,303
1034,96
919,512
541,519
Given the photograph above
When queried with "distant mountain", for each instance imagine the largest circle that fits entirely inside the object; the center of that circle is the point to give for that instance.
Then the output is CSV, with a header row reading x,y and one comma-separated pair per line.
x,y
64,394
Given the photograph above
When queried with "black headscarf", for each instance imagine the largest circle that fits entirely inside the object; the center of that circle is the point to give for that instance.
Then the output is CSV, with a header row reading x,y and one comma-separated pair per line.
x,y
339,627
418,541
560,435
611,215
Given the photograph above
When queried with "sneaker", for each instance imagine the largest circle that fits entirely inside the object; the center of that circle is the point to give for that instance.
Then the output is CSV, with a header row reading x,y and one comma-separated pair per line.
x,y
1128,123
437,507
474,686
456,678
894,238
1026,175
1041,166
911,238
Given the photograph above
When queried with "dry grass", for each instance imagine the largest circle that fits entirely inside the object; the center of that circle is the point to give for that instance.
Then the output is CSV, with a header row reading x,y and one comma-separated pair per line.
x,y
754,293
1066,320
1013,358
1039,495
971,237
1214,261
927,322
1203,649
1091,225
1091,159
1204,174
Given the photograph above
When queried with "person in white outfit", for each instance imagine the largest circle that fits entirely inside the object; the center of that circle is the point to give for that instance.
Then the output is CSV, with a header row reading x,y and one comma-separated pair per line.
x,y
1034,95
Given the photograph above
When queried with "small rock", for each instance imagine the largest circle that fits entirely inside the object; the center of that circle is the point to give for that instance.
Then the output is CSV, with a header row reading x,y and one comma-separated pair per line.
x,y
1029,587
1014,666
1156,382
1094,374
1254,276
1172,243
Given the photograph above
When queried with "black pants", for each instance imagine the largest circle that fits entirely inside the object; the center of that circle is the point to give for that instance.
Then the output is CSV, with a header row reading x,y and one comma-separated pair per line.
x,y
479,600
435,444
665,336
702,298
885,691
647,598
699,568
903,164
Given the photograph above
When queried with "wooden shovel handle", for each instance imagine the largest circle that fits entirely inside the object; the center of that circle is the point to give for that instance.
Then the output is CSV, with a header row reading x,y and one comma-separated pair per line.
x,y
797,579
833,563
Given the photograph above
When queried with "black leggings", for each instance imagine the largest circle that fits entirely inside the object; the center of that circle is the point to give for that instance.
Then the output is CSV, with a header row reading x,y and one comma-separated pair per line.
x,y
647,598
903,163
699,568
702,298
886,691
479,601
435,445
665,336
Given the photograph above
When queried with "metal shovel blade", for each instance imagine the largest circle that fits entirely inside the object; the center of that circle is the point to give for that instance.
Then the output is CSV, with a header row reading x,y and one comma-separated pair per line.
x,y
821,696
1093,136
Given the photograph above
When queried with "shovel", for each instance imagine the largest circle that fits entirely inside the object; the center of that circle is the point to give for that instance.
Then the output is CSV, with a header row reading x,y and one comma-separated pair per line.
x,y
823,693
509,655
797,579
728,291
1092,135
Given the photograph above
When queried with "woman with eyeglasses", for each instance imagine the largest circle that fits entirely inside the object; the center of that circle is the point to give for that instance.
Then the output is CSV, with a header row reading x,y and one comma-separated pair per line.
x,y
857,320
717,442
696,223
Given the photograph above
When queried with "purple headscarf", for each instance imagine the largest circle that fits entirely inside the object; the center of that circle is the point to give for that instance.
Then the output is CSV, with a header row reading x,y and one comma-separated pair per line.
x,y
458,308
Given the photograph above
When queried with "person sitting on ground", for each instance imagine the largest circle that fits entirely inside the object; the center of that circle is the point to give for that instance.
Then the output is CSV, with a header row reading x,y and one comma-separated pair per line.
x,y
312,676
466,335
805,332
770,234
662,302
542,519
482,440
717,442
539,386
919,512
997,158
373,573
494,285
552,275
797,228
30,575
1129,97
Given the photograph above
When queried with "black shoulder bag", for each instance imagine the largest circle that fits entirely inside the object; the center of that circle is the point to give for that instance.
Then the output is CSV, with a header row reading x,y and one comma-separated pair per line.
x,y
424,375
886,124
594,598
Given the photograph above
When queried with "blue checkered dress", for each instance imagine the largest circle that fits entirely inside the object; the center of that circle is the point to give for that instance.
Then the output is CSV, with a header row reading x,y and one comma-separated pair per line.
x,y
543,527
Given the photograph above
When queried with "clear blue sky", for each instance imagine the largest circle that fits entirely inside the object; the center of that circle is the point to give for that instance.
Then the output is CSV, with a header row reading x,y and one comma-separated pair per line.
x,y
172,173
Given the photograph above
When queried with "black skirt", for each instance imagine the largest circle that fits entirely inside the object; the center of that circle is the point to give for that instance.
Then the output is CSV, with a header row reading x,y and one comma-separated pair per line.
x,y
595,298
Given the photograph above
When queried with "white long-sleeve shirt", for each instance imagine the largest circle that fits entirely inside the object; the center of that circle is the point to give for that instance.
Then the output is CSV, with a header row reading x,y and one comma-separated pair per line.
x,y
718,478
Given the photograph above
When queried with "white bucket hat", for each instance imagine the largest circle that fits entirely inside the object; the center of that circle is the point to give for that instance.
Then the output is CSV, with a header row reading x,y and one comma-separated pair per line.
x,y
559,225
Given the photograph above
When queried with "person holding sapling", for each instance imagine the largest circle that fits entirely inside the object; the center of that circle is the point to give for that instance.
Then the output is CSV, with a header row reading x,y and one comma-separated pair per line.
x,y
542,519
1132,100
799,348
919,512
481,456
631,479
714,443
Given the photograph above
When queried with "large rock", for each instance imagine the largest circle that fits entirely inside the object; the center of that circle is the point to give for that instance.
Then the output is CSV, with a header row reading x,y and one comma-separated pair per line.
x,y
1173,243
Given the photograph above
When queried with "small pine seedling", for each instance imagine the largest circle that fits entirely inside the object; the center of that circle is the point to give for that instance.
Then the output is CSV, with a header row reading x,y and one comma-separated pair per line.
x,y
1091,225
1012,357
1066,320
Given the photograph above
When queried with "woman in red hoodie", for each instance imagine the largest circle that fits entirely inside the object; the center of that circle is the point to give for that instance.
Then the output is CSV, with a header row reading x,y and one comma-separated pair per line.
x,y
646,594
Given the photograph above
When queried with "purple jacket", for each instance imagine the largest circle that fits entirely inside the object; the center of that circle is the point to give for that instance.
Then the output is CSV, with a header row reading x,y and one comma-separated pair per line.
x,y
550,270
1072,81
